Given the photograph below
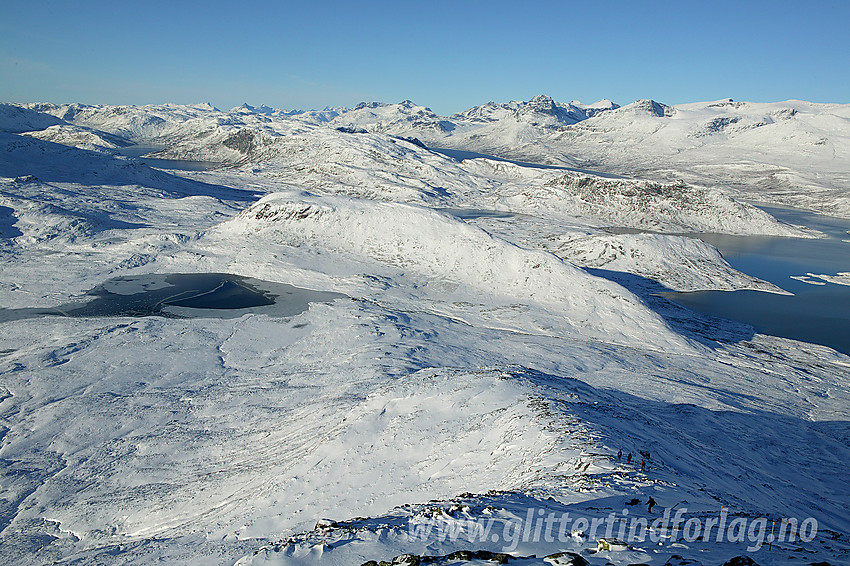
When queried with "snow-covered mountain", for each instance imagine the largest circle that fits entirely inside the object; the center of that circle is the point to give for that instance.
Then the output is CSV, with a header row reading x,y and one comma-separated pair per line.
x,y
788,153
791,153
496,336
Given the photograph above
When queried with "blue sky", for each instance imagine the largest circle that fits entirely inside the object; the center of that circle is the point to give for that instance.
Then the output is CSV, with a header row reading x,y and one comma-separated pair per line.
x,y
446,55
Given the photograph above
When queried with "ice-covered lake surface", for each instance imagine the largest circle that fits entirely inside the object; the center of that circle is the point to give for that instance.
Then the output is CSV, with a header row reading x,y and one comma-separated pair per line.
x,y
473,213
819,309
462,155
138,151
184,295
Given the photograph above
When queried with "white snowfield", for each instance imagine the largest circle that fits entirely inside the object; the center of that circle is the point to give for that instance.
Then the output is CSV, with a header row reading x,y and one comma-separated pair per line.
x,y
663,207
793,152
443,250
484,360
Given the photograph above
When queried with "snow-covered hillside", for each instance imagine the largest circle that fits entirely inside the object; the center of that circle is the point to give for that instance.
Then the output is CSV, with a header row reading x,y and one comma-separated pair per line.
x,y
460,260
496,337
791,152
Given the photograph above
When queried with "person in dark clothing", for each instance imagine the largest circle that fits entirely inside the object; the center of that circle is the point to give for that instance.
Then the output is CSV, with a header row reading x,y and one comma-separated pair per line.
x,y
652,503
629,459
619,455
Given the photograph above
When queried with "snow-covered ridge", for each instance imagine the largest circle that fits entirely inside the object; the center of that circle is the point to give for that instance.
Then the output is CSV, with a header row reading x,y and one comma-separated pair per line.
x,y
23,156
439,246
17,119
790,152
665,207
398,118
77,136
539,107
676,262
329,157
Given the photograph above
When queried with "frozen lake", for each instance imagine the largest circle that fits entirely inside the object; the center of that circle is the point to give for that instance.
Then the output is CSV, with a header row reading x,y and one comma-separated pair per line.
x,y
473,213
818,311
184,295
137,151
461,155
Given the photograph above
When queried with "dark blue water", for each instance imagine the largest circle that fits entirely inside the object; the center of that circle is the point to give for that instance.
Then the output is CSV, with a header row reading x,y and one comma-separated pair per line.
x,y
815,313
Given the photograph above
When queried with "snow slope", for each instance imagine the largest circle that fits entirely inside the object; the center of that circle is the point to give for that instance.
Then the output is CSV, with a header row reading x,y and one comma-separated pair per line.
x,y
77,137
441,248
665,207
484,362
790,152
328,159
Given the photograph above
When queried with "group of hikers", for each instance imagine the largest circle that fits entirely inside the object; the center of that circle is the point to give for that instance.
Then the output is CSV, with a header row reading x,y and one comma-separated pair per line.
x,y
645,456
629,458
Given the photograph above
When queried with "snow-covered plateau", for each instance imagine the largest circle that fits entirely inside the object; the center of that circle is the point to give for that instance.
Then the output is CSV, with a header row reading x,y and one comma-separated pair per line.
x,y
488,373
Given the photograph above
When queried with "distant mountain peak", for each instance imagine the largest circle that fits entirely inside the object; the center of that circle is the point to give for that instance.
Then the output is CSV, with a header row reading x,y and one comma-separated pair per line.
x,y
726,102
543,108
652,107
261,109
604,104
363,105
542,99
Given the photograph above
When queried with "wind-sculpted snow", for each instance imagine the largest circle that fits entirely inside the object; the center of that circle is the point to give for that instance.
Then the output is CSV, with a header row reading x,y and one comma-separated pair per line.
x,y
195,441
38,222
